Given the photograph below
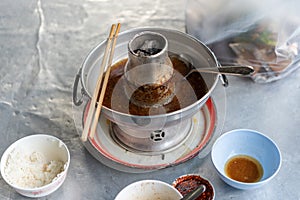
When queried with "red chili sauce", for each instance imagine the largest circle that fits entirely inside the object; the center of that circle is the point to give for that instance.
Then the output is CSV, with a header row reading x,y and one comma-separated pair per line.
x,y
186,184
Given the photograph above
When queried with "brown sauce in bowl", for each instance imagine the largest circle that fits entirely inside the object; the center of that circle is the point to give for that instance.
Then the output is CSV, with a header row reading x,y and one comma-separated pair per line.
x,y
186,91
244,168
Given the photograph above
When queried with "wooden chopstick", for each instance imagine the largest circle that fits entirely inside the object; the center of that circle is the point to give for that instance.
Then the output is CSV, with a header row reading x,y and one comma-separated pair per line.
x,y
92,106
105,81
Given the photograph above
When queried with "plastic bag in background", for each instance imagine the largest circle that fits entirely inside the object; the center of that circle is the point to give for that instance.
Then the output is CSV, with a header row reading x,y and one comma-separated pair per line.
x,y
262,33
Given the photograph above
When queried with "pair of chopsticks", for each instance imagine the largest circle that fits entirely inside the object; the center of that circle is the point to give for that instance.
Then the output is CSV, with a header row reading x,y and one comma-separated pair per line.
x,y
109,51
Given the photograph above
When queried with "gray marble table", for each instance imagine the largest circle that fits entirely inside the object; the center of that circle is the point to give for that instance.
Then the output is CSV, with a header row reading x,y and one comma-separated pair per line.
x,y
42,45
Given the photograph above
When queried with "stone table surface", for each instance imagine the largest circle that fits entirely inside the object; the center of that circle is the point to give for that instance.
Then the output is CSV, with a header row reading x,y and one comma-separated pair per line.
x,y
42,46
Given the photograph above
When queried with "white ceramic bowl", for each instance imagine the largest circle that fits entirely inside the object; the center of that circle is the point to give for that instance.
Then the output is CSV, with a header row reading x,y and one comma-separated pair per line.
x,y
251,143
149,190
43,146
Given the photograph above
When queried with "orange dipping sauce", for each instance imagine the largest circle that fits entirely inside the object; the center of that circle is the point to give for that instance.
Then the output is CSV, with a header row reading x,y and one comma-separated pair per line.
x,y
244,168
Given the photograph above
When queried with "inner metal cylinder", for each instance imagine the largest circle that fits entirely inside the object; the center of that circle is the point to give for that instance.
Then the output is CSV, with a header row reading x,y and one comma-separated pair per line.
x,y
149,70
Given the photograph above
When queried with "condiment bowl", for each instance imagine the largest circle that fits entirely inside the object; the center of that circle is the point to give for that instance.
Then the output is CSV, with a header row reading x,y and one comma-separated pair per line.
x,y
189,182
249,143
35,165
149,190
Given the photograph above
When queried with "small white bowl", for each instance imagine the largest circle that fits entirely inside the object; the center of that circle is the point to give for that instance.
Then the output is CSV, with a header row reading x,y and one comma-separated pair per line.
x,y
250,143
149,190
42,146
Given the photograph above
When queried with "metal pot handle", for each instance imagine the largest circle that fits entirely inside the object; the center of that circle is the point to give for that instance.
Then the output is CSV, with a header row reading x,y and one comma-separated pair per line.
x,y
76,101
224,80
223,77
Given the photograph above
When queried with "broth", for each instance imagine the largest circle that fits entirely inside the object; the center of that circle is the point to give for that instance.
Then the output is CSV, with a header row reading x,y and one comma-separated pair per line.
x,y
186,91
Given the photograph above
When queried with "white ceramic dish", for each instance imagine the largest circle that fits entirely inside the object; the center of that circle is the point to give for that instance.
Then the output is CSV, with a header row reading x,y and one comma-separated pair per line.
x,y
250,143
149,190
51,148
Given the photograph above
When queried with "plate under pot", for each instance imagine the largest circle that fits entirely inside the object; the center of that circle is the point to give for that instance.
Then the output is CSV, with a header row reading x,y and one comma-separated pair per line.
x,y
109,152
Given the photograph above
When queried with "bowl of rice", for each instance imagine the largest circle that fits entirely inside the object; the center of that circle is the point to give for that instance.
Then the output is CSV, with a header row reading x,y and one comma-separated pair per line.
x,y
36,165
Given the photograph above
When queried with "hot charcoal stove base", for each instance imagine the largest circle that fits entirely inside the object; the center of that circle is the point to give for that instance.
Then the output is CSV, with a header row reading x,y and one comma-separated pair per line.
x,y
105,149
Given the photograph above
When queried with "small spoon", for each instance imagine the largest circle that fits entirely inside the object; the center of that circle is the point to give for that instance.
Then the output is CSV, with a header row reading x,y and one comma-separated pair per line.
x,y
227,70
238,70
195,193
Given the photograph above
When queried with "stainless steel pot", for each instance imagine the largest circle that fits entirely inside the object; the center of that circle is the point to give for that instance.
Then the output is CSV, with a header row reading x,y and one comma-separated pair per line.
x,y
139,129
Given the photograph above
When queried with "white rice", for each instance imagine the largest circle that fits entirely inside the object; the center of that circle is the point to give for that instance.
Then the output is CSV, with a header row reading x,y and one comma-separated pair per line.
x,y
31,170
